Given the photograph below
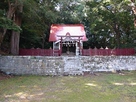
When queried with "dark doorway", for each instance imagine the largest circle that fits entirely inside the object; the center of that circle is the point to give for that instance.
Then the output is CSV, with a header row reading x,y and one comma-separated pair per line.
x,y
68,50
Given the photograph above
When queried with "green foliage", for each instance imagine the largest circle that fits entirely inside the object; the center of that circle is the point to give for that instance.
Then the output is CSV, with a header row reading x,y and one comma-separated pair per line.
x,y
70,12
38,17
103,20
6,23
110,20
37,20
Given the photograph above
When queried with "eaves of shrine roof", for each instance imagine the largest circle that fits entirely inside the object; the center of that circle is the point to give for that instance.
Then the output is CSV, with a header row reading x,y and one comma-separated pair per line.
x,y
60,30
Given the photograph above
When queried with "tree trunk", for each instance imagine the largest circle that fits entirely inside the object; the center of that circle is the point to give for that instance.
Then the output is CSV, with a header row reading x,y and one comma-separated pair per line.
x,y
15,38
1,38
117,34
15,43
118,39
43,40
134,11
10,13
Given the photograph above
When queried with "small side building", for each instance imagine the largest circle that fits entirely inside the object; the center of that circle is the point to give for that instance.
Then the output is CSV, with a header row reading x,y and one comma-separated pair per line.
x,y
68,38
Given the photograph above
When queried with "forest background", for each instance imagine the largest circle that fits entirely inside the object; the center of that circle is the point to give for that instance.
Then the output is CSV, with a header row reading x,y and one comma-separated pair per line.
x,y
26,23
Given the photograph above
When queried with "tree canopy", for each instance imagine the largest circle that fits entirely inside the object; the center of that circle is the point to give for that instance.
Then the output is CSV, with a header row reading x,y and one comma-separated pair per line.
x,y
26,24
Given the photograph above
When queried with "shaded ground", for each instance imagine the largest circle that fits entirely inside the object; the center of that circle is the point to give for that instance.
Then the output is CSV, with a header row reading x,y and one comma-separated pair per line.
x,y
3,76
102,87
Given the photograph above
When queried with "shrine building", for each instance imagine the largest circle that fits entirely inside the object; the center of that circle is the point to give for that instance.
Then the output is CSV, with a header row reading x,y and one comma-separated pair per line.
x,y
68,38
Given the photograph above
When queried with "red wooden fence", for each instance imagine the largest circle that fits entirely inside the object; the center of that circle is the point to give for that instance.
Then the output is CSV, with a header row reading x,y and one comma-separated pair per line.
x,y
108,52
85,52
39,52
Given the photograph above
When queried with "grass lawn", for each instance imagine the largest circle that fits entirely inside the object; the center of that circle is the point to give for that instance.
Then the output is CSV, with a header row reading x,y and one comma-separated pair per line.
x,y
103,87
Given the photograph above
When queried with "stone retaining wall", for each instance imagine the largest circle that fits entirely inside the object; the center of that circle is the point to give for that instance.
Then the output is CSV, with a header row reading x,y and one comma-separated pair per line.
x,y
64,65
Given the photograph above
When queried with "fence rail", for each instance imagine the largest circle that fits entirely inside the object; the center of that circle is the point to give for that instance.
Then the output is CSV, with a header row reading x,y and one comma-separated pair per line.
x,y
85,52
39,52
108,52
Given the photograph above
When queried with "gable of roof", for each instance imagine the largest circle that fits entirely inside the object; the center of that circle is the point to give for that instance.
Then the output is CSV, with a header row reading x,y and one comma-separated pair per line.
x,y
74,30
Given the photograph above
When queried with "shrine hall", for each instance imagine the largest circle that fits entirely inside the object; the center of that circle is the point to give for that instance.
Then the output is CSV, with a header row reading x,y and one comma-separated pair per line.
x,y
68,38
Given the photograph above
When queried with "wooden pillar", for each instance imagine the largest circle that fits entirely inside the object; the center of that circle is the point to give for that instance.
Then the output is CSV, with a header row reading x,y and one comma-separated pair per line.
x,y
79,46
61,46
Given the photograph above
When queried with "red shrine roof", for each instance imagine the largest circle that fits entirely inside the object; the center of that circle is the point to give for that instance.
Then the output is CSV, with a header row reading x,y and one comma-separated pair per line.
x,y
75,30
